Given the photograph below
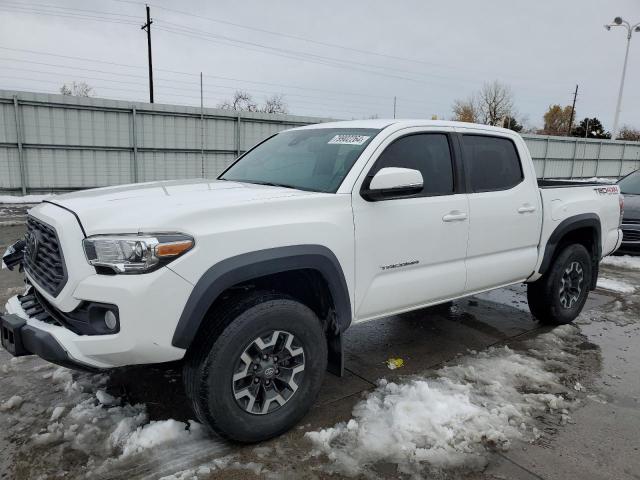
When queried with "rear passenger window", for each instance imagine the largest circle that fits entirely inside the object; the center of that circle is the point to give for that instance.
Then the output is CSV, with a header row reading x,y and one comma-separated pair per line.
x,y
492,163
429,153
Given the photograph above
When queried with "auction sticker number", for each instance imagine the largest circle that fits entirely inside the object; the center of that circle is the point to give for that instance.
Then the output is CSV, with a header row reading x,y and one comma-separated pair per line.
x,y
348,140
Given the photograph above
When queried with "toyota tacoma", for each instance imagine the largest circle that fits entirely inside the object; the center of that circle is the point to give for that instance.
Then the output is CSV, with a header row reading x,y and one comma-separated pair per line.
x,y
251,280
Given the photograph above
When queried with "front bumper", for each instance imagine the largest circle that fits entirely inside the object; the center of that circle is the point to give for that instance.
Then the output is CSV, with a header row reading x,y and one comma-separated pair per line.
x,y
149,307
20,339
630,237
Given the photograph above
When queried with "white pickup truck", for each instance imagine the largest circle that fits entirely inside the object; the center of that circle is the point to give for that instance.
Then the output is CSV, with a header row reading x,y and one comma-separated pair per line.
x,y
251,279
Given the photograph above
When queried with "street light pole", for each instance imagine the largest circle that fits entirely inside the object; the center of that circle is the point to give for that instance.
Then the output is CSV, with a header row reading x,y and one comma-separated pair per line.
x,y
619,22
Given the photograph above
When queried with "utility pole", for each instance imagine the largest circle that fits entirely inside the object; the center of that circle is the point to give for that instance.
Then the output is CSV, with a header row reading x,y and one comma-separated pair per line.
x,y
147,28
394,107
586,130
573,111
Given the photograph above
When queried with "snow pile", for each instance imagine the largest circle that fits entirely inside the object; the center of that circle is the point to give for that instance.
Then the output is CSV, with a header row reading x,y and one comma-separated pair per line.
x,y
615,285
623,261
111,433
453,420
15,199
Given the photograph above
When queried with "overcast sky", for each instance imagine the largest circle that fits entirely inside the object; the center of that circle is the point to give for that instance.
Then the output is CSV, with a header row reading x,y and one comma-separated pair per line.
x,y
331,58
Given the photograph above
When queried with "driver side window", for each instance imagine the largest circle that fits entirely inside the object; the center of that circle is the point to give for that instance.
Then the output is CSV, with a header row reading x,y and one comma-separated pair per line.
x,y
428,153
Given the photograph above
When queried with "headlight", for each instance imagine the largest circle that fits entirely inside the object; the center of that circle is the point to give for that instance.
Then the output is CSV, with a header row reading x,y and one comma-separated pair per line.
x,y
135,253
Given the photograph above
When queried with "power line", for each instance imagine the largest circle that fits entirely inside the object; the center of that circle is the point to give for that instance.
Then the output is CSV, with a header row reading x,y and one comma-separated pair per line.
x,y
284,35
350,107
50,13
325,99
58,7
306,57
237,43
297,87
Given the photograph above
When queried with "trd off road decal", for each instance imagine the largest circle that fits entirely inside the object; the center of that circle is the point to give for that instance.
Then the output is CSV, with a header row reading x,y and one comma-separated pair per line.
x,y
609,190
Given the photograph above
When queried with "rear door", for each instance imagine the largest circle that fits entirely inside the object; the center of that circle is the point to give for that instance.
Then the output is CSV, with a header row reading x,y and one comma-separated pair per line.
x,y
411,251
505,215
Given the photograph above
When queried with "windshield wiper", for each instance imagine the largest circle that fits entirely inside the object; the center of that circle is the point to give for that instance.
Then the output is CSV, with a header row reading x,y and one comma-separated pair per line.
x,y
269,184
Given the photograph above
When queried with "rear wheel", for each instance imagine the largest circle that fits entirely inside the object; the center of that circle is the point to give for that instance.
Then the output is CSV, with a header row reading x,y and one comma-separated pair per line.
x,y
559,296
257,368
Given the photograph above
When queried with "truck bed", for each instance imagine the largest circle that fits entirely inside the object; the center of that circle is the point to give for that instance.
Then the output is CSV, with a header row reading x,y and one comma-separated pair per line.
x,y
546,183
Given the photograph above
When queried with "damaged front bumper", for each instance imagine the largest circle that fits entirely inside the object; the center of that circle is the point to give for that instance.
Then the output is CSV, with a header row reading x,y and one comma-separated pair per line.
x,y
14,255
20,339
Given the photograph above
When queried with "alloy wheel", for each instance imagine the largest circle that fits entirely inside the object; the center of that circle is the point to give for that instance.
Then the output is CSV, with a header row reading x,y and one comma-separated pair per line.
x,y
268,372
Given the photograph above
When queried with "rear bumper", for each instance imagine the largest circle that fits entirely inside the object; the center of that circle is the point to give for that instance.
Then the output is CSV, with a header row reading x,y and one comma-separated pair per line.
x,y
21,339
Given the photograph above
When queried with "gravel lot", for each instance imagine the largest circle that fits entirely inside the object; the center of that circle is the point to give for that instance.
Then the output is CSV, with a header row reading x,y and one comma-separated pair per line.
x,y
553,404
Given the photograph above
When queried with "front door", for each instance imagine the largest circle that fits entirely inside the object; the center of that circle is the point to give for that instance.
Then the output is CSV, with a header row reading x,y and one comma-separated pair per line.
x,y
410,251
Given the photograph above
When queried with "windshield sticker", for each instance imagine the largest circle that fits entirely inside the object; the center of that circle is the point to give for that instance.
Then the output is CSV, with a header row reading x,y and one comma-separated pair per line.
x,y
348,140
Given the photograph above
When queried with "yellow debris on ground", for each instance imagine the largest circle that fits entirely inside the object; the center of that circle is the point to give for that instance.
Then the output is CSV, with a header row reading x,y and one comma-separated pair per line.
x,y
394,363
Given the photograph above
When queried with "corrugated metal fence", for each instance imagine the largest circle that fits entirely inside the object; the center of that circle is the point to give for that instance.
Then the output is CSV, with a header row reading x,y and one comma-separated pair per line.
x,y
55,142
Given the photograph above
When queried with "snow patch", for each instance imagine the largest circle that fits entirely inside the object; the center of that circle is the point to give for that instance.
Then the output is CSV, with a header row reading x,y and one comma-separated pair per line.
x,y
105,399
14,402
157,433
57,413
484,403
15,199
623,261
223,463
615,285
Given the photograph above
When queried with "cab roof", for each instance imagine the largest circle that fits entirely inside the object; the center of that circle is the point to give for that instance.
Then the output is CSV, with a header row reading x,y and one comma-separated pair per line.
x,y
381,123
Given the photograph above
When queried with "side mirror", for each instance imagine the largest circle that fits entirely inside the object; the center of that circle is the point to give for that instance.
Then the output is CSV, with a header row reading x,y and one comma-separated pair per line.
x,y
393,182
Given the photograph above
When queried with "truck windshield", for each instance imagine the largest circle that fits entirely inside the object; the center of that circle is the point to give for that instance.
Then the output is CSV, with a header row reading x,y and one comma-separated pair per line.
x,y
630,185
307,159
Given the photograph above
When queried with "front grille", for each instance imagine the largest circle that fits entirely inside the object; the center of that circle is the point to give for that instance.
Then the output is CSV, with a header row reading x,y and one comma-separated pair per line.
x,y
631,221
43,258
34,307
631,235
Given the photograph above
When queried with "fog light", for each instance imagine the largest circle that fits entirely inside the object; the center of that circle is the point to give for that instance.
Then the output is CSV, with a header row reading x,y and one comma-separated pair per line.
x,y
110,320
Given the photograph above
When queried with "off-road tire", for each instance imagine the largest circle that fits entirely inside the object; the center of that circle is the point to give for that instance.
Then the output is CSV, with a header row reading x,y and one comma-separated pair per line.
x,y
210,364
544,295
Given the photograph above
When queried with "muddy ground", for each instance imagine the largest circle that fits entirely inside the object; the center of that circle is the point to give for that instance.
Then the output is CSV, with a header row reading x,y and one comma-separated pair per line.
x,y
597,437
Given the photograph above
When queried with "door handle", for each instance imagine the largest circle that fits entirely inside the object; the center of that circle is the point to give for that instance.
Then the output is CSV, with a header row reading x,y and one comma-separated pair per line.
x,y
526,208
454,216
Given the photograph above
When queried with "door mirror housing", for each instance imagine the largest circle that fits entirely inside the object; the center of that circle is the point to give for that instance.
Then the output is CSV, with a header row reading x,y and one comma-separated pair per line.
x,y
393,182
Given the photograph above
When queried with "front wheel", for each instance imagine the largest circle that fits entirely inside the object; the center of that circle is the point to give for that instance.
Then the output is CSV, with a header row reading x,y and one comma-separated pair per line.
x,y
258,374
559,296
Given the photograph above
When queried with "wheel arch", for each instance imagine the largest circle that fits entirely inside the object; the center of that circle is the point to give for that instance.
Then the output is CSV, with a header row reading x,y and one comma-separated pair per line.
x,y
584,229
239,270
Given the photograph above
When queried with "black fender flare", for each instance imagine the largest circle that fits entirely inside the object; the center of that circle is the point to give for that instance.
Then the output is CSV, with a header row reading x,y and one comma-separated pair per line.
x,y
584,220
247,266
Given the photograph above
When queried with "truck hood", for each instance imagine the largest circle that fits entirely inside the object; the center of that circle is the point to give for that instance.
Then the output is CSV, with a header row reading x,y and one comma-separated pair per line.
x,y
159,206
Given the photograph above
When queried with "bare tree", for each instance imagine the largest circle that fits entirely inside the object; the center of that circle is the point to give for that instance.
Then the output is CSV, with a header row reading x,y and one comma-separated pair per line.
x,y
494,103
242,101
77,89
466,110
629,133
275,104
